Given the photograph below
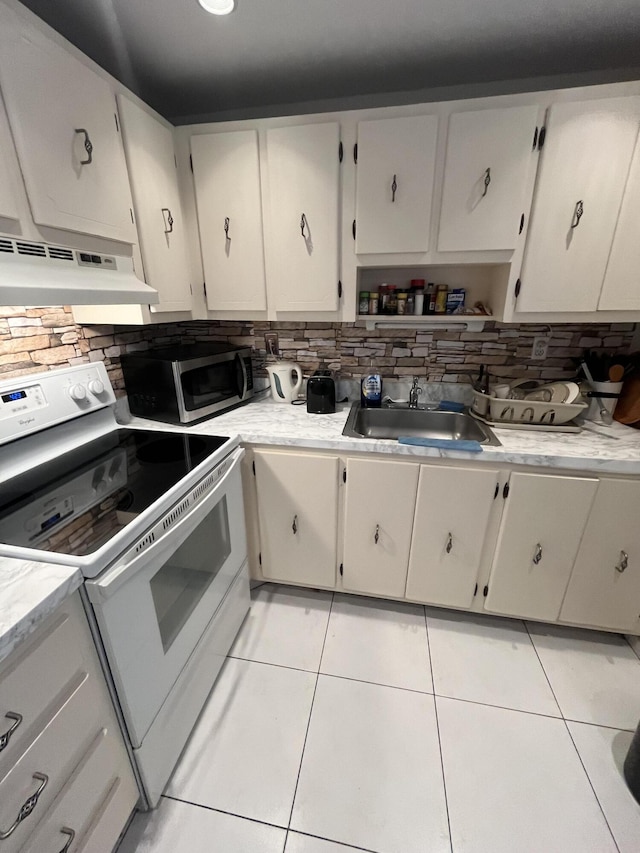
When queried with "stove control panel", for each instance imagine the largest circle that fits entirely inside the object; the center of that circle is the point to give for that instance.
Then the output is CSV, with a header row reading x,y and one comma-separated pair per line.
x,y
31,403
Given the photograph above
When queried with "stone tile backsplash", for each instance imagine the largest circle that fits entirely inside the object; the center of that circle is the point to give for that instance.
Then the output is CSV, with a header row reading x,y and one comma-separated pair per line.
x,y
34,339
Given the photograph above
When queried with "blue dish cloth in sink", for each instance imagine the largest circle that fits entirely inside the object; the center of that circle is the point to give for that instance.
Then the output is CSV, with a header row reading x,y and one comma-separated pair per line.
x,y
450,406
442,443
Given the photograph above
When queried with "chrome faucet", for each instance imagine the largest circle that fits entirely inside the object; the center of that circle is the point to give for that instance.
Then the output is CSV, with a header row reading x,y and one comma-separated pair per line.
x,y
414,393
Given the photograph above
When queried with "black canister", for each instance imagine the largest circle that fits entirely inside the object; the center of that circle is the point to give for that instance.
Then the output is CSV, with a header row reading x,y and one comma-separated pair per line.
x,y
321,393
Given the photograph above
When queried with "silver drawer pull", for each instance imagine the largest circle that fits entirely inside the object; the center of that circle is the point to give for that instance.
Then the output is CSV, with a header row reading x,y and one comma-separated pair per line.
x,y
27,807
622,565
71,833
449,543
294,526
538,554
376,536
6,737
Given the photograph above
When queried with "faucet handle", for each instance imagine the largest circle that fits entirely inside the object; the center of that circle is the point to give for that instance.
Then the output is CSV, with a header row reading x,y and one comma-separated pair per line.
x,y
416,379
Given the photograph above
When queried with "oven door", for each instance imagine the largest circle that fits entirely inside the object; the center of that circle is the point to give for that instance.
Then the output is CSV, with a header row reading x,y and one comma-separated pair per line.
x,y
154,604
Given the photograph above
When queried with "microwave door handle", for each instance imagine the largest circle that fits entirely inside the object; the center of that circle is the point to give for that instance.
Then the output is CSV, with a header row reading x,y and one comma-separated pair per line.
x,y
107,584
242,391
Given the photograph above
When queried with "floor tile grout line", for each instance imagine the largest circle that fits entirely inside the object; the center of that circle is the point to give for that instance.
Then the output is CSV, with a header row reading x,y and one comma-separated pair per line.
x,y
566,725
223,811
271,663
333,841
313,699
435,709
544,671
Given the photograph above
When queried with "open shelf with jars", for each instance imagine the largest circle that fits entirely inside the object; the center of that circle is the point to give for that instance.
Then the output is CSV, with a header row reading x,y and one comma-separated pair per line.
x,y
392,300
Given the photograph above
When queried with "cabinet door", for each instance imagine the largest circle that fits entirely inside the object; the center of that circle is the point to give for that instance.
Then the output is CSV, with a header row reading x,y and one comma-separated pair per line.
x,y
489,157
303,227
63,118
226,172
621,288
585,163
154,182
538,541
452,514
298,512
604,589
396,161
380,504
8,205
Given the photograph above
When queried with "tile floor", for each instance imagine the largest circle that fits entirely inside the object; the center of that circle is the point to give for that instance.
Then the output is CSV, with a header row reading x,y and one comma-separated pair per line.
x,y
342,723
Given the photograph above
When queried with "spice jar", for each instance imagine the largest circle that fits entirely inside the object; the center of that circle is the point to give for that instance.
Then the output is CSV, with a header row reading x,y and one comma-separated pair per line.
x,y
402,301
363,302
430,299
373,302
383,302
393,299
441,298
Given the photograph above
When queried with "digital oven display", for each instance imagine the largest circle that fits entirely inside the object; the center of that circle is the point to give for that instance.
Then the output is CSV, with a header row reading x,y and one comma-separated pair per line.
x,y
13,396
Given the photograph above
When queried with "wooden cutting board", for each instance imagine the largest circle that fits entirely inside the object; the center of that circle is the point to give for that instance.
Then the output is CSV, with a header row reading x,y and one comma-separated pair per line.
x,y
628,408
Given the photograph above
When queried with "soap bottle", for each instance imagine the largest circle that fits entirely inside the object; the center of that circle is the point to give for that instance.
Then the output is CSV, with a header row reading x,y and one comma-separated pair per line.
x,y
371,389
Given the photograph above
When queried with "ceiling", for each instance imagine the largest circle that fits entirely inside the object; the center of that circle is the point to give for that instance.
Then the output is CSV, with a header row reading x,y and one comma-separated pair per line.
x,y
267,54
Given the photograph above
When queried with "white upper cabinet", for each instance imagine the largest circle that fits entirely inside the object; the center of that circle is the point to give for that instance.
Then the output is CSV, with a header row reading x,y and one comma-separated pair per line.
x,y
302,231
63,118
226,170
8,205
152,170
395,172
490,154
621,289
585,164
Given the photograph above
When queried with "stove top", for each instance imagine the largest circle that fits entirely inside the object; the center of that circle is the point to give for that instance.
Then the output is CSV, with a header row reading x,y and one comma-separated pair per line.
x,y
76,502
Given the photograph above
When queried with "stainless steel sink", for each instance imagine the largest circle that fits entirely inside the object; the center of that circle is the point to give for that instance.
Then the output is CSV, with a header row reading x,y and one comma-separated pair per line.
x,y
394,422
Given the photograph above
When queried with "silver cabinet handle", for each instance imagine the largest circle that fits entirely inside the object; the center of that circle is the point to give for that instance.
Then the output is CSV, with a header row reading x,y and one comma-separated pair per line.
x,y
168,220
304,224
538,554
88,147
227,223
376,535
577,214
27,807
449,543
294,526
487,181
394,188
71,833
622,565
6,737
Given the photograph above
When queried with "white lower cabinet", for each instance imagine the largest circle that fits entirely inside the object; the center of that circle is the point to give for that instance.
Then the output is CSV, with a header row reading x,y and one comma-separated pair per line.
x,y
298,511
605,584
451,518
542,524
378,519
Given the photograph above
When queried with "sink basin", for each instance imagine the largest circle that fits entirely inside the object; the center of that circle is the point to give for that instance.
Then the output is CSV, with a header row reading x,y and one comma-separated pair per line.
x,y
391,423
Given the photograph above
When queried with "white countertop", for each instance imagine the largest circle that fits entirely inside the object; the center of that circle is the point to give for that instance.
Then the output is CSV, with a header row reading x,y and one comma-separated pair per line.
x,y
611,449
29,592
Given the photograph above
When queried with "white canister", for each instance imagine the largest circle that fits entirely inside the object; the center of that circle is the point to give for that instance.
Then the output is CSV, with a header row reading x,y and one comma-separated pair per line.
x,y
284,388
609,403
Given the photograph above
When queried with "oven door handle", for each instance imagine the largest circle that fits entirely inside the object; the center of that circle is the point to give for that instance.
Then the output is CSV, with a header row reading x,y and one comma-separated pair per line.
x,y
106,585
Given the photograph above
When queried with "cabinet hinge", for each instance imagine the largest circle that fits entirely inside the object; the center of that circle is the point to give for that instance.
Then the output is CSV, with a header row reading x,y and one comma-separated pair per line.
x,y
340,152
253,467
541,138
132,219
475,591
521,224
175,161
260,558
505,491
495,494
339,290
485,590
518,286
115,115
353,229
535,138
341,569
204,287
344,475
355,153
191,162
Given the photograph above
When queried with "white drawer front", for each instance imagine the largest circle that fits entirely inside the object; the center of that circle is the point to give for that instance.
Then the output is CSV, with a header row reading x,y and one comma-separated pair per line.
x,y
94,805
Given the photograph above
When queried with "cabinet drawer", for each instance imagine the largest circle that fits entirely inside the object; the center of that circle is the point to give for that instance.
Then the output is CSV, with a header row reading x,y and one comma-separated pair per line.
x,y
94,805
36,682
54,754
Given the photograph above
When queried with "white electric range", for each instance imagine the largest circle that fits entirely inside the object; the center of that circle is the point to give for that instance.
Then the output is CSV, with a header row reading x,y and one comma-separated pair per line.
x,y
155,520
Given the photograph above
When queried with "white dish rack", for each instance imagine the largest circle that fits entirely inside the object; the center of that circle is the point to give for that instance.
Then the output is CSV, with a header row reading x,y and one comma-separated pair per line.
x,y
499,411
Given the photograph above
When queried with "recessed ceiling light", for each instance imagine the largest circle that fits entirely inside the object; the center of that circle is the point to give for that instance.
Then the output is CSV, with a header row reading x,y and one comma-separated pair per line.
x,y
217,7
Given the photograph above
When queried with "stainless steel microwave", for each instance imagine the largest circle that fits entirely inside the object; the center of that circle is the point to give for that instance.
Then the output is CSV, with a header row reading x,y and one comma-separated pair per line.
x,y
185,383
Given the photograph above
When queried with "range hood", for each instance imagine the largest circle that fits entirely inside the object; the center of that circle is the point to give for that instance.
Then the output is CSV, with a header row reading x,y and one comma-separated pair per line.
x,y
36,273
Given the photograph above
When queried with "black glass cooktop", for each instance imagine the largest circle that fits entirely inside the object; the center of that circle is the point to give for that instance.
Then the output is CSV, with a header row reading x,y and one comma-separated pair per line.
x,y
76,502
